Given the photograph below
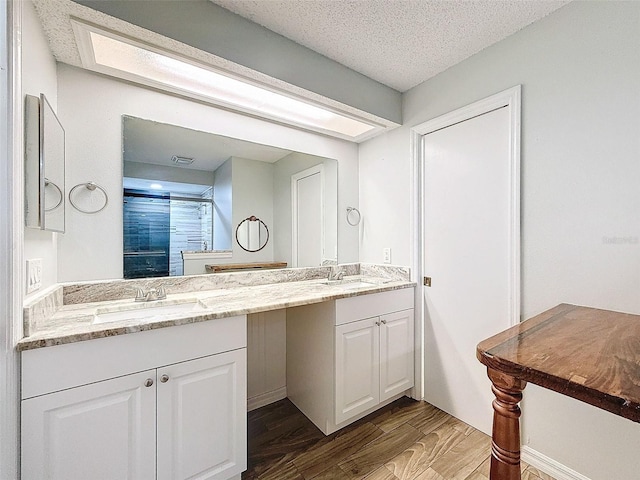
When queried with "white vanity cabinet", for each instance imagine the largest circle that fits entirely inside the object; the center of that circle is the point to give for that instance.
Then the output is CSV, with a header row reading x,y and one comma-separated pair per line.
x,y
348,357
101,430
163,404
201,418
374,362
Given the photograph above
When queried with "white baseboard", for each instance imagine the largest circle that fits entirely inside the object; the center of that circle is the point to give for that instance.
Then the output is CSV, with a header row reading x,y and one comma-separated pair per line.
x,y
549,465
266,398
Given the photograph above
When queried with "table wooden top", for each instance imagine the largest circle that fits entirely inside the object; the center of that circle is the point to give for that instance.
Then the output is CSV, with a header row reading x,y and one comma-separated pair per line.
x,y
586,353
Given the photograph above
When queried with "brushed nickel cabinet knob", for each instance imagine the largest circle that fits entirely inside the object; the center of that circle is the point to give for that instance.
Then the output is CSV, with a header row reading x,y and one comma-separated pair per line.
x,y
164,378
148,382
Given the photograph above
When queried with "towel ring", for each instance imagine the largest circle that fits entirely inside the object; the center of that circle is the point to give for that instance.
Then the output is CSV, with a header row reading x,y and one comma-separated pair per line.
x,y
357,216
91,187
48,182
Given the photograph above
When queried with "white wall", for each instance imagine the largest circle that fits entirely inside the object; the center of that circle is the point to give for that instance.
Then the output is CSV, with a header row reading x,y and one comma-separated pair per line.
x,y
252,193
39,76
151,171
580,75
222,206
91,107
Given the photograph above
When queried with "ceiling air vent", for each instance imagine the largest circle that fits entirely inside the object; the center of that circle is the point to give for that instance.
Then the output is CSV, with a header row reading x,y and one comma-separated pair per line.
x,y
181,160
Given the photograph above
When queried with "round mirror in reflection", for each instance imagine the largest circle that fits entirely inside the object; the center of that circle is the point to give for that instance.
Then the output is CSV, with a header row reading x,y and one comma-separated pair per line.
x,y
252,234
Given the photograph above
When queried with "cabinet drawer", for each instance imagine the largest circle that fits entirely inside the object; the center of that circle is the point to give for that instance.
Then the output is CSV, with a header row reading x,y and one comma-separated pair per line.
x,y
51,369
372,305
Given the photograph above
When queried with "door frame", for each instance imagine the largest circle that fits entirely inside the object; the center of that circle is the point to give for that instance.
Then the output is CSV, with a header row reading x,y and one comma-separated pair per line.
x,y
294,210
11,234
511,99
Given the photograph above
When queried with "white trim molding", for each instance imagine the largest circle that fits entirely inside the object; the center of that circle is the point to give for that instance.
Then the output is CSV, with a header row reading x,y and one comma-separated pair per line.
x,y
549,465
11,234
267,398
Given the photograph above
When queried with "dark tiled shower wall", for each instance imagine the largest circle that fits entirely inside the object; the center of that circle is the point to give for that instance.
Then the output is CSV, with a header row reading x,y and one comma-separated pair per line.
x,y
146,237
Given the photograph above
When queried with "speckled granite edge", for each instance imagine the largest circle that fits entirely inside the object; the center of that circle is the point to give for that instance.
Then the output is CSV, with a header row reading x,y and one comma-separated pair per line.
x,y
225,304
36,312
106,290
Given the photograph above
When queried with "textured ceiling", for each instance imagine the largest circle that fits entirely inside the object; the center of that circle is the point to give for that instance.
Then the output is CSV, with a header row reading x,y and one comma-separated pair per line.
x,y
399,43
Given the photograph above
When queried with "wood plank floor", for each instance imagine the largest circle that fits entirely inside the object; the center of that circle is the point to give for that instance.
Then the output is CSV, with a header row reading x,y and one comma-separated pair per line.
x,y
406,440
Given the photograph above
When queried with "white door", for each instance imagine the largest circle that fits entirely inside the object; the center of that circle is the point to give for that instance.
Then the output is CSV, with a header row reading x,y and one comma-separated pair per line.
x,y
357,370
202,418
101,431
467,253
307,219
396,353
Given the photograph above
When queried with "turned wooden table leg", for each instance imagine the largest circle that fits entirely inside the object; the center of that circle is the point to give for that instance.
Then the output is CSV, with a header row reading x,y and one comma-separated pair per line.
x,y
505,444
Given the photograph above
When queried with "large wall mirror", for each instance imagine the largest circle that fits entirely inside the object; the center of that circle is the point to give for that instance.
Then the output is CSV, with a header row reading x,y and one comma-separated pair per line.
x,y
185,192
44,166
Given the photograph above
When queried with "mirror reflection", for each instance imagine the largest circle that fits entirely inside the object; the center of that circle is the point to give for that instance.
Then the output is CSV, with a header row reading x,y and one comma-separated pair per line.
x,y
44,166
186,192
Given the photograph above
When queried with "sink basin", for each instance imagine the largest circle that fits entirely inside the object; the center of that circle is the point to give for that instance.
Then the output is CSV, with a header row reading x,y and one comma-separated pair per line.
x,y
146,311
350,285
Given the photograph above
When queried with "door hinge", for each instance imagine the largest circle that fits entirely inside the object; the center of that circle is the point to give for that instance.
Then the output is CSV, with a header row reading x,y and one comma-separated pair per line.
x,y
426,281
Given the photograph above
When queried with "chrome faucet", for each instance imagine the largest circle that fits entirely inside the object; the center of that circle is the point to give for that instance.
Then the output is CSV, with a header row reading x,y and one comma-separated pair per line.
x,y
335,273
151,294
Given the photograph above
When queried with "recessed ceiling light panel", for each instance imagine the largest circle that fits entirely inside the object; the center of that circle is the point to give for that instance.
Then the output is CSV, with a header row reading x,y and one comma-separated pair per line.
x,y
115,55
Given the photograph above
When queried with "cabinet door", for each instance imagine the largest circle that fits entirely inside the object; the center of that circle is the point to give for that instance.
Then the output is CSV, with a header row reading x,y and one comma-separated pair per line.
x,y
105,430
202,418
357,372
396,353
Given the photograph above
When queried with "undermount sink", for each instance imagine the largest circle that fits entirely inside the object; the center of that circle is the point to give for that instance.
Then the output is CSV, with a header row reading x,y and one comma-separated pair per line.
x,y
350,284
144,310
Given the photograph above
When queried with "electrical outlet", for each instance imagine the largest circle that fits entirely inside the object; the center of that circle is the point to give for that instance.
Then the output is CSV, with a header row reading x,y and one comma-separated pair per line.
x,y
386,255
34,274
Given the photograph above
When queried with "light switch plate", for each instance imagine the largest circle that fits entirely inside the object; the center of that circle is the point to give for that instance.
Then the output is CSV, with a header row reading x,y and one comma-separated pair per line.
x,y
386,254
34,274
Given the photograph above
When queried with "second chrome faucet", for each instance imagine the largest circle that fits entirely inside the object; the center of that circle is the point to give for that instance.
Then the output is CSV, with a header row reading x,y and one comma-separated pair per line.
x,y
151,294
335,273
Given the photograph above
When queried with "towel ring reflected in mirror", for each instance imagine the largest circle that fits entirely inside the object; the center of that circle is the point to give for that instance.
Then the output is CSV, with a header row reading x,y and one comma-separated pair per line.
x,y
353,216
50,186
252,234
94,194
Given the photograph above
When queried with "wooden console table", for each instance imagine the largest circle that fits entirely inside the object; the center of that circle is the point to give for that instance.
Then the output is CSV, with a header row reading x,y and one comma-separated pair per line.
x,y
236,267
589,354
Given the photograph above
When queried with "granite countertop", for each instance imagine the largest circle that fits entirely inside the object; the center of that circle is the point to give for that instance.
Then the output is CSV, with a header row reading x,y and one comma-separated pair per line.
x,y
76,322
